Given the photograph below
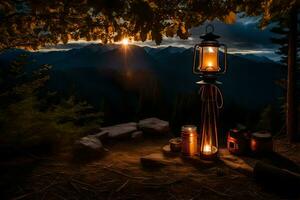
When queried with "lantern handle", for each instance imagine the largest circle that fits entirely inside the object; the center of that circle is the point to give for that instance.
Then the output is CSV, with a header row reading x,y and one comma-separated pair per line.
x,y
211,27
225,59
194,59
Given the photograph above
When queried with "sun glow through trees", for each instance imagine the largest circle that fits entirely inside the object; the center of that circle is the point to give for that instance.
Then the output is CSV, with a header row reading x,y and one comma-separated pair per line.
x,y
125,41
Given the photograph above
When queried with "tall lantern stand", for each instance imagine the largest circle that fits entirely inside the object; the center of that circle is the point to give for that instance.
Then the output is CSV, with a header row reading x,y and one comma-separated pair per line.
x,y
206,64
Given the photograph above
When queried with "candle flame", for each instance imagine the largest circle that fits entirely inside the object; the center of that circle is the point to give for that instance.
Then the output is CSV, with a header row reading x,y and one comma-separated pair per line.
x,y
207,148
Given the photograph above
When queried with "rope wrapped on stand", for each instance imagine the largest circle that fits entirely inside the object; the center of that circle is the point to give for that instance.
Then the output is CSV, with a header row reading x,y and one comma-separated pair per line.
x,y
211,103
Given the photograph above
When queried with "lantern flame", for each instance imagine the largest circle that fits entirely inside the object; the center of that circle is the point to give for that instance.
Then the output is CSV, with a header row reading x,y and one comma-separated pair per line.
x,y
210,66
211,50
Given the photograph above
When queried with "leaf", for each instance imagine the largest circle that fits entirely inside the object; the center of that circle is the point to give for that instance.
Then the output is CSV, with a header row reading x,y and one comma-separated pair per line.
x,y
230,18
182,32
170,31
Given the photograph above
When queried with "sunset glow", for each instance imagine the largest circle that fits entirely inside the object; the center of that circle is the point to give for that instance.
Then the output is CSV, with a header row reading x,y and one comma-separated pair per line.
x,y
125,41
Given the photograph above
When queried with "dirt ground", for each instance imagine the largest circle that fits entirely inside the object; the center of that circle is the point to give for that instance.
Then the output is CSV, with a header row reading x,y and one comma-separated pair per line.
x,y
119,175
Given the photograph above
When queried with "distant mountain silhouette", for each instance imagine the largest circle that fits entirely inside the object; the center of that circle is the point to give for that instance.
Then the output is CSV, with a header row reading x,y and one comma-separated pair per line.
x,y
262,59
98,72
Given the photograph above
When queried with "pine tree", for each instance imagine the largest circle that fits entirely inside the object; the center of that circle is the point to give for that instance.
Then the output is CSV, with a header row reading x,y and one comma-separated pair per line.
x,y
28,119
282,30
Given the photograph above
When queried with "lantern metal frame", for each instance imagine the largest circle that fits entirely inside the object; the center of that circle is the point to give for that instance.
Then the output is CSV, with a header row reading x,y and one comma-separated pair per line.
x,y
209,39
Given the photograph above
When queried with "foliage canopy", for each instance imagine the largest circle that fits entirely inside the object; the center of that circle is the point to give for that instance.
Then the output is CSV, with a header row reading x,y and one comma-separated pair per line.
x,y
35,23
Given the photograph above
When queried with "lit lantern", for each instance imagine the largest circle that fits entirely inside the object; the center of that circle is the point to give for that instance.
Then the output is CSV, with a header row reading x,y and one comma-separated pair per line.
x,y
207,53
206,59
189,138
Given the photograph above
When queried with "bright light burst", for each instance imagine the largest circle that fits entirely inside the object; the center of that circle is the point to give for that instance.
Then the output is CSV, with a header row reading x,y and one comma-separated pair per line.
x,y
125,41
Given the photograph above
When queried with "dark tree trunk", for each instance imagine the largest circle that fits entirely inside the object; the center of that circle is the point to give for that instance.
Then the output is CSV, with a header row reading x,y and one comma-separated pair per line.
x,y
291,116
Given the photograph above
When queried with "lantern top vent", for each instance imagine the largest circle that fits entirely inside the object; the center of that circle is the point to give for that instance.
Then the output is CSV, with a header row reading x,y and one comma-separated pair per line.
x,y
209,34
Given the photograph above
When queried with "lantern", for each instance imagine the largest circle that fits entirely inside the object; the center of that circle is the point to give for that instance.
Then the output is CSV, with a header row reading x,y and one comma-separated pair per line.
x,y
206,59
207,54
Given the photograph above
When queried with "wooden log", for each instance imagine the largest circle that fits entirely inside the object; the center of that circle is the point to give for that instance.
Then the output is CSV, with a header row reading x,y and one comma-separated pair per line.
x,y
194,160
157,160
278,180
280,161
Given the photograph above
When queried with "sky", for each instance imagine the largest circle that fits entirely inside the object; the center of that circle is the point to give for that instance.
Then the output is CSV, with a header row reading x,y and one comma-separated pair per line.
x,y
242,37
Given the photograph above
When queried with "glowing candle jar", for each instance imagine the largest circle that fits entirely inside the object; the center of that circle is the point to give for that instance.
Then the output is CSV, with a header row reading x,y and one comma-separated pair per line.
x,y
208,151
189,138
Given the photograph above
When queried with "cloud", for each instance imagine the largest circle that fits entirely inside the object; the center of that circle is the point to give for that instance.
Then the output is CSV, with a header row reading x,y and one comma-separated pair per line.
x,y
71,45
243,36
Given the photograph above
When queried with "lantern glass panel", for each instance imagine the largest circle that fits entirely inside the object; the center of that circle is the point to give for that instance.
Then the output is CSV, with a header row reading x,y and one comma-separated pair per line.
x,y
209,59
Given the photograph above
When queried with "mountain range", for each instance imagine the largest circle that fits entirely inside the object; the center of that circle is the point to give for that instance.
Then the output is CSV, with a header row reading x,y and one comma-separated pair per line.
x,y
116,75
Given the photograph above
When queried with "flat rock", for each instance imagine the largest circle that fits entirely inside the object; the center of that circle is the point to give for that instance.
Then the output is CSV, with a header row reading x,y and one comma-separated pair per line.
x,y
88,147
120,130
101,135
194,160
154,125
156,160
137,135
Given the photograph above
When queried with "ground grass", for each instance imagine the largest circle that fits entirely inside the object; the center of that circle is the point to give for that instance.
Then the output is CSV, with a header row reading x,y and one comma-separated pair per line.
x,y
119,175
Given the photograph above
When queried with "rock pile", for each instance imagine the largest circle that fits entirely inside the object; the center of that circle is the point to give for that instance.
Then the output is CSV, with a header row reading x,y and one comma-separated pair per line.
x,y
120,131
91,145
88,147
154,126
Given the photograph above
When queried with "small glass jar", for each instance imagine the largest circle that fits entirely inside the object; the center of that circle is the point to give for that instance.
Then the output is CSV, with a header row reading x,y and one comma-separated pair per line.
x,y
189,138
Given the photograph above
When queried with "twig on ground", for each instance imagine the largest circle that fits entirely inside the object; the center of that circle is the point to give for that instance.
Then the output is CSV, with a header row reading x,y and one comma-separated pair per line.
x,y
74,186
24,196
59,196
216,192
44,195
172,195
164,184
201,184
197,194
83,183
123,174
123,185
49,173
110,181
54,182
39,157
